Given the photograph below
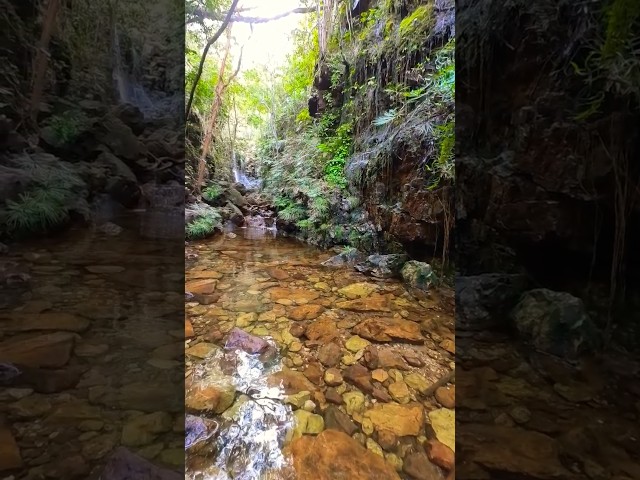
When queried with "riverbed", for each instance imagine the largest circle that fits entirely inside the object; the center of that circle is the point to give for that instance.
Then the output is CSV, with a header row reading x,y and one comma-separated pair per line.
x,y
296,370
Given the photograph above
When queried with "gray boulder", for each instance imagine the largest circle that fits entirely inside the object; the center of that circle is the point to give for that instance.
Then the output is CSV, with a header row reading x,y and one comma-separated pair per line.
x,y
383,266
484,301
350,256
555,322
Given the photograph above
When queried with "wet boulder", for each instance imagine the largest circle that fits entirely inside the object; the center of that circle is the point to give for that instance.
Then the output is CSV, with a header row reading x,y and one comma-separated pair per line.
x,y
131,116
235,197
555,323
383,266
350,256
240,188
115,134
241,340
236,217
418,274
483,301
197,429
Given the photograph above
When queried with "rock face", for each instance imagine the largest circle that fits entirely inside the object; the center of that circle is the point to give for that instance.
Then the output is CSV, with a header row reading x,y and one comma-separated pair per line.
x,y
333,454
554,322
523,187
349,257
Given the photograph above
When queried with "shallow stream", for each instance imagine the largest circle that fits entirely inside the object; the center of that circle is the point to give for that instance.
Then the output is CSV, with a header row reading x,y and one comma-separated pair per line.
x,y
93,320
328,350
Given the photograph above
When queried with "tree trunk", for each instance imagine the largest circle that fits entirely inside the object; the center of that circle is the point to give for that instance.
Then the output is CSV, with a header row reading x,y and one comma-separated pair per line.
x,y
221,86
210,42
42,58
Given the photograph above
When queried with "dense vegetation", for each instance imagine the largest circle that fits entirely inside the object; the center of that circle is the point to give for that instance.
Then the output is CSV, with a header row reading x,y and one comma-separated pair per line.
x,y
66,135
356,125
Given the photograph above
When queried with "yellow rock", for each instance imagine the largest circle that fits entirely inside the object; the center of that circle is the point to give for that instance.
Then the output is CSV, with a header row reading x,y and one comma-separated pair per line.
x,y
358,290
443,422
356,343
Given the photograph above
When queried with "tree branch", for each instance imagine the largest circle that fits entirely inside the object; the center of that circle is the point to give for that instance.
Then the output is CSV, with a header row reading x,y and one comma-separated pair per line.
x,y
201,14
210,42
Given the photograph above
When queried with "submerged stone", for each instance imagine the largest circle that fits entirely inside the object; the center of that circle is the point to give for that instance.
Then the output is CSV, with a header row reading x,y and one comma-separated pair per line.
x,y
239,339
333,454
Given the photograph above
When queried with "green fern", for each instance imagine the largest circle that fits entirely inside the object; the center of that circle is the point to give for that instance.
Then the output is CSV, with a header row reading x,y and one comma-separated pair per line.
x,y
53,192
207,220
387,117
292,213
212,192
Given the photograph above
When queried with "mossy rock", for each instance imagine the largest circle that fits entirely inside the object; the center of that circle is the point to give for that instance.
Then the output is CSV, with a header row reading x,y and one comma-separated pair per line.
x,y
418,274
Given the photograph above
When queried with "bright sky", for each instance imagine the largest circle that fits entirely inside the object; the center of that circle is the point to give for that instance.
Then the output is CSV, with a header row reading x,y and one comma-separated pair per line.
x,y
269,43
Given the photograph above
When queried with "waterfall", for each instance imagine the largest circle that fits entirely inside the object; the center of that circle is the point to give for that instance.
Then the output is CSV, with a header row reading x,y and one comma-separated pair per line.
x,y
240,175
129,90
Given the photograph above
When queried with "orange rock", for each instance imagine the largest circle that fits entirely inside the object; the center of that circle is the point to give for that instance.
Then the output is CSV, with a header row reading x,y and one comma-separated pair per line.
x,y
51,350
210,398
323,330
446,396
203,287
277,273
333,454
380,329
9,452
23,322
297,296
188,329
448,345
292,381
306,312
205,275
439,454
374,303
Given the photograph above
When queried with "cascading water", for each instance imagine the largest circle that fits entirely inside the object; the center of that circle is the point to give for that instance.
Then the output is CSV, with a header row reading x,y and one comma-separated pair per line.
x,y
240,175
130,89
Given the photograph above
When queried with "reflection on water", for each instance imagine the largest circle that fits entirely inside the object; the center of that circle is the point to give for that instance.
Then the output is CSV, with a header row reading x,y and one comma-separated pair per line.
x,y
248,441
96,332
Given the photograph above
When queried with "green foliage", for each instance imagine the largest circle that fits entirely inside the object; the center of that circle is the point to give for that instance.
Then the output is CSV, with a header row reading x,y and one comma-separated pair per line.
x,y
54,192
621,16
292,213
414,29
387,117
212,192
338,149
612,66
368,21
68,125
443,167
201,227
206,220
